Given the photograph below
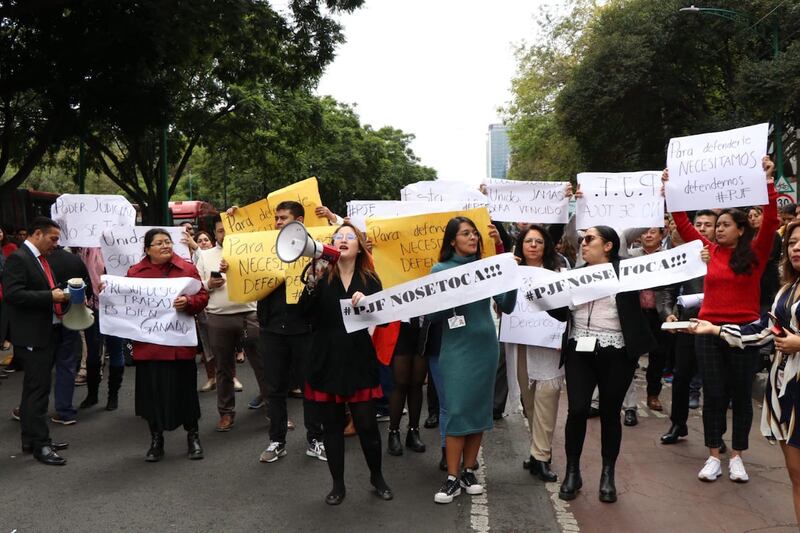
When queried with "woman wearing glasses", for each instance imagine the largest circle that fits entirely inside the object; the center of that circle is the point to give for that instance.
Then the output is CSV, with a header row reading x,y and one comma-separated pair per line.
x,y
166,376
605,341
344,367
467,361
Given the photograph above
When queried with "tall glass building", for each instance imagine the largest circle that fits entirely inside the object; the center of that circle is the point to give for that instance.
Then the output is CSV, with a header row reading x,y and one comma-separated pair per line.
x,y
498,153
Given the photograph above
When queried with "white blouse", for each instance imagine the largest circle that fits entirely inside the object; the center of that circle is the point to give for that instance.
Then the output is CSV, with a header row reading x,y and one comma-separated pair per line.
x,y
599,319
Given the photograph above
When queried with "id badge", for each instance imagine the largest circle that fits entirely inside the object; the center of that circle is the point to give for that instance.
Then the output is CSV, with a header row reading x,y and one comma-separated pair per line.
x,y
456,321
586,344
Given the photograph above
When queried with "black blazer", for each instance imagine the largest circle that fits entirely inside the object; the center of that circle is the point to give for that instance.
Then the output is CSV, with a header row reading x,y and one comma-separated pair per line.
x,y
28,302
639,339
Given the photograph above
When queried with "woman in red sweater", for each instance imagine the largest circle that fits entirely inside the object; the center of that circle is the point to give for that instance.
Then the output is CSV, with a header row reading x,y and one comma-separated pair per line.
x,y
732,290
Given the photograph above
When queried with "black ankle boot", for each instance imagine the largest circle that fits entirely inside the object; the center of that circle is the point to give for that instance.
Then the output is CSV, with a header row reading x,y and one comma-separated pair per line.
x,y
92,388
195,449
336,495
572,481
541,469
394,447
413,441
443,461
156,451
608,491
114,383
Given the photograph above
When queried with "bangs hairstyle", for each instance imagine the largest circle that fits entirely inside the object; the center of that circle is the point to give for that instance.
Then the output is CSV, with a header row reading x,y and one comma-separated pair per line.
x,y
151,235
608,234
448,250
743,259
788,274
549,256
365,267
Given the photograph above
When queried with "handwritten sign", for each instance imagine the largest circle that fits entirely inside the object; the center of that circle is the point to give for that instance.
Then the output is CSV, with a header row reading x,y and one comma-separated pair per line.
x,y
531,327
124,247
83,217
620,200
359,210
543,202
436,292
294,287
715,170
306,193
405,248
444,191
663,268
141,309
252,217
254,270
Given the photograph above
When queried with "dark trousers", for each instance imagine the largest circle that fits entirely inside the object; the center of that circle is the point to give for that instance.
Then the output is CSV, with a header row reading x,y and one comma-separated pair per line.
x,y
387,386
67,353
283,355
500,384
224,333
657,357
727,373
611,370
38,364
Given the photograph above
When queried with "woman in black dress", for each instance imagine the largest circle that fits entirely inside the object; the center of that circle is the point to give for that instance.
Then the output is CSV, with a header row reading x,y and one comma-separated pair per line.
x,y
344,366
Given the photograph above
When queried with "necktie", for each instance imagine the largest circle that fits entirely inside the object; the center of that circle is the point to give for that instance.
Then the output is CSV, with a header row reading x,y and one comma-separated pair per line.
x,y
51,280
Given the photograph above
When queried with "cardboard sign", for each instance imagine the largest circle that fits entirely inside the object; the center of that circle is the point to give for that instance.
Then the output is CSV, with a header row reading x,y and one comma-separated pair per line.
x,y
620,200
83,217
254,270
252,217
141,309
359,210
543,202
124,247
306,193
716,170
530,327
444,191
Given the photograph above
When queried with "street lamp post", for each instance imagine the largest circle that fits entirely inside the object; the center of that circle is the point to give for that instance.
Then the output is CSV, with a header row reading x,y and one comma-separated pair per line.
x,y
744,19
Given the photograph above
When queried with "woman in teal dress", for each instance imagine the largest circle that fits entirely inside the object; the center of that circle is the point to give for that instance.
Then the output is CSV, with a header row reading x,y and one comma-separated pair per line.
x,y
468,362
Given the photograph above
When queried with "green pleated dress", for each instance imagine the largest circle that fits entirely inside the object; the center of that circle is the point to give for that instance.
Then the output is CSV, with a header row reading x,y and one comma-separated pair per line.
x,y
468,359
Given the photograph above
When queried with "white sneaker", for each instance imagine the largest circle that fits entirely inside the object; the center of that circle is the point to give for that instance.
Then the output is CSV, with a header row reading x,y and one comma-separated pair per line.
x,y
237,385
316,449
711,470
737,471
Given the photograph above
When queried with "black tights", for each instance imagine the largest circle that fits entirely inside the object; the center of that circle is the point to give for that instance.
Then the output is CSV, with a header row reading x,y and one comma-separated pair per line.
x,y
409,374
333,420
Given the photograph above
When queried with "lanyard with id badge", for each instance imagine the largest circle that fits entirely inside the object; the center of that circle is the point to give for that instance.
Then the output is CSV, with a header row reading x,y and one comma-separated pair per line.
x,y
587,344
456,321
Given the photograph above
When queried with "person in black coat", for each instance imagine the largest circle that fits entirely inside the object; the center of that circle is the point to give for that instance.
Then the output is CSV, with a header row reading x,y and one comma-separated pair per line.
x,y
34,303
344,366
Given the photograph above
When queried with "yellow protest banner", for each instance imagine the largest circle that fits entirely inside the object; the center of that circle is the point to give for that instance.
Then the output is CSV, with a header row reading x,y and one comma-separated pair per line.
x,y
405,248
254,270
252,217
294,287
305,192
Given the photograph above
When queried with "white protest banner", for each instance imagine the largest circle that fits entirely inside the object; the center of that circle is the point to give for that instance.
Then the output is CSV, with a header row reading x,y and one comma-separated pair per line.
x,y
572,287
620,200
359,210
444,191
436,292
715,170
124,247
83,217
543,202
530,327
663,268
141,309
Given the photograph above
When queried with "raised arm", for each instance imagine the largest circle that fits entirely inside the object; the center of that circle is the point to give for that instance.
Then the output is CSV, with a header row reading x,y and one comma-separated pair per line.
x,y
762,244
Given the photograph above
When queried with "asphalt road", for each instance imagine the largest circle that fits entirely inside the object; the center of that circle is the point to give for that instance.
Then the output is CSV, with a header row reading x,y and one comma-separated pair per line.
x,y
107,486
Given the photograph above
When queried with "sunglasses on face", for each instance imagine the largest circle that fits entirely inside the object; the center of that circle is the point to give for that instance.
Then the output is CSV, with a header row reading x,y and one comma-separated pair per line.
x,y
343,236
589,238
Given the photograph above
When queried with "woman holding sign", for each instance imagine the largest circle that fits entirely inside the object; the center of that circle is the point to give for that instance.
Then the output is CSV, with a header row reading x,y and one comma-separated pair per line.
x,y
166,376
468,362
732,291
605,340
344,366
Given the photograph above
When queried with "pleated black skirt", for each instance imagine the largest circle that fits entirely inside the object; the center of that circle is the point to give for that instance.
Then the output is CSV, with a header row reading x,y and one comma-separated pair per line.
x,y
166,394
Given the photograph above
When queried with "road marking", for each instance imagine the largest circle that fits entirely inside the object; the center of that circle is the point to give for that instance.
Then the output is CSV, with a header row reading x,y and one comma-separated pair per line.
x,y
479,510
566,520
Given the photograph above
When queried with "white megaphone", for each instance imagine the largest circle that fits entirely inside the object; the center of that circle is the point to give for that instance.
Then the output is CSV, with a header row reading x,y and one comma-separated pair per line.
x,y
294,242
79,316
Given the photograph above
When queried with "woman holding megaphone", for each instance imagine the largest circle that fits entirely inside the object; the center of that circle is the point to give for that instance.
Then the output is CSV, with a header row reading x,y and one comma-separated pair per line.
x,y
344,367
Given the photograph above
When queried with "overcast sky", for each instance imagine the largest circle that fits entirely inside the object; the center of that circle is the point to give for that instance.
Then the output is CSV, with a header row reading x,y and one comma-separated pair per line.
x,y
436,68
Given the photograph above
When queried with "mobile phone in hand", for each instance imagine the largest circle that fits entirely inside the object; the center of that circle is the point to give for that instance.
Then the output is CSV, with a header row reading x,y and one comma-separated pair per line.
x,y
777,327
215,274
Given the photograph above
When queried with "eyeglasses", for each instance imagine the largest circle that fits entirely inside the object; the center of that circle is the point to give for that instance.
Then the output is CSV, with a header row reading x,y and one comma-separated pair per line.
x,y
467,234
589,238
343,236
537,242
159,244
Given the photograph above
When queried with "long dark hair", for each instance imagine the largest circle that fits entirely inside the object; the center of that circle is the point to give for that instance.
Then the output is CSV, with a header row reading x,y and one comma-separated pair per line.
x,y
743,258
365,266
608,234
549,256
447,251
788,274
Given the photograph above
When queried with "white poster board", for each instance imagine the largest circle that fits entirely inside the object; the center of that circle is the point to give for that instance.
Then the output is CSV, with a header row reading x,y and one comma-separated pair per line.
x,y
663,268
444,191
124,247
716,170
542,202
141,309
359,210
621,200
530,327
83,217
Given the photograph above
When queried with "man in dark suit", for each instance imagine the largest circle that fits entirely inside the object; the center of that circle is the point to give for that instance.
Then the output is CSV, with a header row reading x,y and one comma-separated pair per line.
x,y
34,305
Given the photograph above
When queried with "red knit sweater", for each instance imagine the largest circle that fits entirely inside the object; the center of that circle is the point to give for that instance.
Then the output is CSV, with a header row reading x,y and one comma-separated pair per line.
x,y
733,298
